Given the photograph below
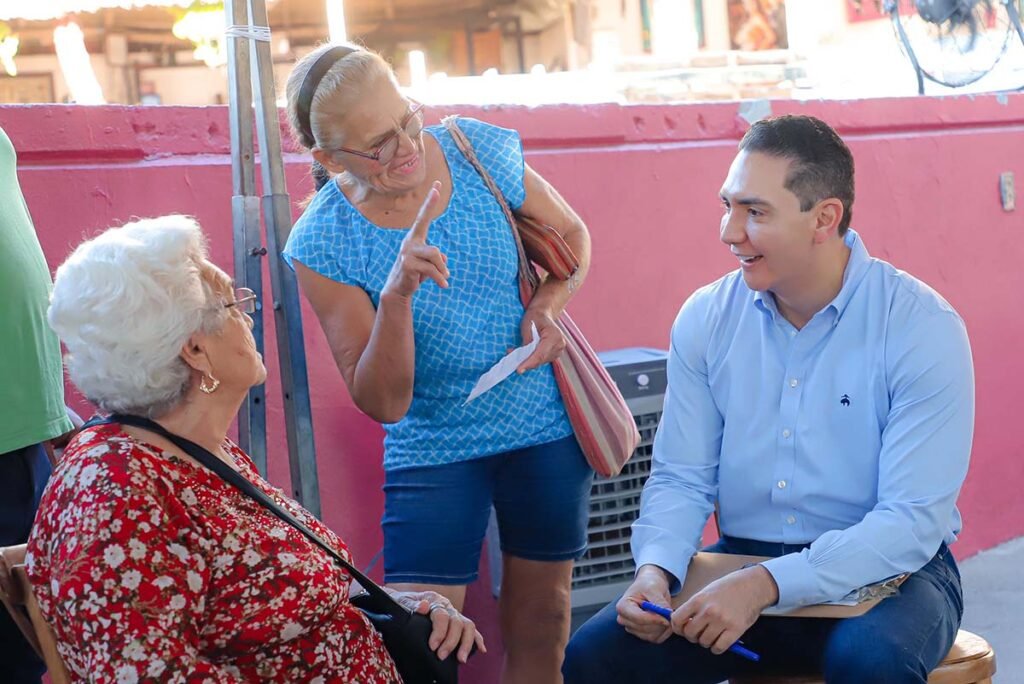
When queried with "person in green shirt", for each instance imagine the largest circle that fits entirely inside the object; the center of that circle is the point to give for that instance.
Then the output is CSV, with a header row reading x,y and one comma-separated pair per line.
x,y
31,391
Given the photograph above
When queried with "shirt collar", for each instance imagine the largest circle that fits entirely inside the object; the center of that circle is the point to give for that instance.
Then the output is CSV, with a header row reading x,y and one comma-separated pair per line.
x,y
765,302
856,268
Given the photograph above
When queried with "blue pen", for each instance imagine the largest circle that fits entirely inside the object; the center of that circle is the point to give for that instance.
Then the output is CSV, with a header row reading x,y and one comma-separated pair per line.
x,y
736,648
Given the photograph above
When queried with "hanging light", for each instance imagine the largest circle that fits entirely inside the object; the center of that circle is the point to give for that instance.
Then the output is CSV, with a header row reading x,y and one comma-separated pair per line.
x,y
8,49
203,26
417,68
76,65
336,21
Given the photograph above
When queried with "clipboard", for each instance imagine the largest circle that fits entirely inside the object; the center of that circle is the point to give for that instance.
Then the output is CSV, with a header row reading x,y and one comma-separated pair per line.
x,y
706,567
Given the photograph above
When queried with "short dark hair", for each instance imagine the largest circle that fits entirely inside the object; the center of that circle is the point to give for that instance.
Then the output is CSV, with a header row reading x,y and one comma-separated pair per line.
x,y
822,165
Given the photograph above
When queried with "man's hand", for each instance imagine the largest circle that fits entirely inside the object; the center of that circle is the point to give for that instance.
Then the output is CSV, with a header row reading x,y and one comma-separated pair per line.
x,y
651,584
719,614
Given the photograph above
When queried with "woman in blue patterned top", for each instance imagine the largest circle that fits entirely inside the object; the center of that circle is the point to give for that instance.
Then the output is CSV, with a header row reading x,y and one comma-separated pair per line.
x,y
411,268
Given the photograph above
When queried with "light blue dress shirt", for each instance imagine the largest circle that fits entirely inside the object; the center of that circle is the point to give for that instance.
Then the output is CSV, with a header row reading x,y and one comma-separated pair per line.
x,y
853,432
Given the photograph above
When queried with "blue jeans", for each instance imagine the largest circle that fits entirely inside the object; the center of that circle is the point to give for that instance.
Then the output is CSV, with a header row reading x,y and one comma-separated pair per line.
x,y
23,476
900,640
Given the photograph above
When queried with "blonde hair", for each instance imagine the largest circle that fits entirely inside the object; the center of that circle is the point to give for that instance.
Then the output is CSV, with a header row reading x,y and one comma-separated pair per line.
x,y
125,303
343,83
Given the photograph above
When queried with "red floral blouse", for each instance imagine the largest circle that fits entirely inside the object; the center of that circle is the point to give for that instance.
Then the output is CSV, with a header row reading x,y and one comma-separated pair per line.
x,y
150,568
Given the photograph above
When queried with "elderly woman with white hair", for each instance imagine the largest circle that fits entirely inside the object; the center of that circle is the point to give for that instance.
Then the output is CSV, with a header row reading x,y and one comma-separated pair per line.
x,y
149,566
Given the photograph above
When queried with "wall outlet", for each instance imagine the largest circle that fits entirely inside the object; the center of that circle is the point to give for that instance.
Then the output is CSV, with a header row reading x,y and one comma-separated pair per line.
x,y
1007,191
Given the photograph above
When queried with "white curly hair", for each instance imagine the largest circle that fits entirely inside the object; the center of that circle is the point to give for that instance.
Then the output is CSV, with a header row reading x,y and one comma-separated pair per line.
x,y
125,303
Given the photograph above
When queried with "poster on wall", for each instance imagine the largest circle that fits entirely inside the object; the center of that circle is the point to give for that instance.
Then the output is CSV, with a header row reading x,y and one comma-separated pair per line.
x,y
863,10
757,24
870,10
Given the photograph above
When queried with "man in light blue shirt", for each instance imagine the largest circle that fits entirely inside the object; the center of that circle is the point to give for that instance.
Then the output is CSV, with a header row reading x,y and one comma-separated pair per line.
x,y
825,401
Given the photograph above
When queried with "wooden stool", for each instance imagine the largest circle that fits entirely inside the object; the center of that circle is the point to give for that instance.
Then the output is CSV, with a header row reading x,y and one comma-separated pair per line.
x,y
16,595
970,661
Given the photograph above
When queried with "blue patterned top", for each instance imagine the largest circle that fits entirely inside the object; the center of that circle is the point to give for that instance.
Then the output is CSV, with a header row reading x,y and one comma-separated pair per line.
x,y
459,332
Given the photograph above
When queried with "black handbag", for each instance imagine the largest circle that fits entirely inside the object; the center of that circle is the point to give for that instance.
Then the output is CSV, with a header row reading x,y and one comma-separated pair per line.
x,y
405,633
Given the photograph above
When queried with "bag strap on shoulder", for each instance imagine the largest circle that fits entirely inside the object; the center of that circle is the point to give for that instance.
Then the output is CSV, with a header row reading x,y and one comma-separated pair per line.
x,y
526,272
240,482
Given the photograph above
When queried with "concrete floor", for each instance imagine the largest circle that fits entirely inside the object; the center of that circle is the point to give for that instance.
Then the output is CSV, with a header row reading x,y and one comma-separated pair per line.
x,y
994,605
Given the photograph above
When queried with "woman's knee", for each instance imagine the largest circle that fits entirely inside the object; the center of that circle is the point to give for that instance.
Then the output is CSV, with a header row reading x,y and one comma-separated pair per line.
x,y
538,611
534,628
536,596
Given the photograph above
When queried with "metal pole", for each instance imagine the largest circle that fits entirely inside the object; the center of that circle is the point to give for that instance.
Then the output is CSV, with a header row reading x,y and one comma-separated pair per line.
x,y
287,312
470,52
245,215
645,25
520,46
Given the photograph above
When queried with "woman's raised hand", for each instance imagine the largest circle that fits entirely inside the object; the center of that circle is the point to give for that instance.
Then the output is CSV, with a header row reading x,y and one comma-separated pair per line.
x,y
417,259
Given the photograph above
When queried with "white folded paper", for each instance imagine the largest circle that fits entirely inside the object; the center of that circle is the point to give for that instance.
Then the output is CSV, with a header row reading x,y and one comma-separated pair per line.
x,y
504,368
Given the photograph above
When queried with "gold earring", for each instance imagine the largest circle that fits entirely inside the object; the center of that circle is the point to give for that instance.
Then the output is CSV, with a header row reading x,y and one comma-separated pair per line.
x,y
212,387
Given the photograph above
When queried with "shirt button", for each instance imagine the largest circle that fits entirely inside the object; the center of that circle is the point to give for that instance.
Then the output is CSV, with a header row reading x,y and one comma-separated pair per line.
x,y
794,382
781,484
786,433
790,520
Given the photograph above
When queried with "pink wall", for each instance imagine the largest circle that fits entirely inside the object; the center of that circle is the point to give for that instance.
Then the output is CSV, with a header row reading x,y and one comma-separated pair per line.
x,y
645,179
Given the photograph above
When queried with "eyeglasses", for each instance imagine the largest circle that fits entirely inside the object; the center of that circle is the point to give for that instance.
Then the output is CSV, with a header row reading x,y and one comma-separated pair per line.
x,y
411,125
245,301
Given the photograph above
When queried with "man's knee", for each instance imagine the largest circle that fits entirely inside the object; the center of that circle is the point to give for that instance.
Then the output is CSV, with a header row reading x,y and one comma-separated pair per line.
x,y
577,665
880,659
595,649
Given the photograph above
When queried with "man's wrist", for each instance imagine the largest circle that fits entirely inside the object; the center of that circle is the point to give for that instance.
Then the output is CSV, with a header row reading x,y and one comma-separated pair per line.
x,y
651,570
769,589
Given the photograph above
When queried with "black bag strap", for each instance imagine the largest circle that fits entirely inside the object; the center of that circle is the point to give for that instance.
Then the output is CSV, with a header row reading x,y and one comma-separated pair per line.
x,y
235,478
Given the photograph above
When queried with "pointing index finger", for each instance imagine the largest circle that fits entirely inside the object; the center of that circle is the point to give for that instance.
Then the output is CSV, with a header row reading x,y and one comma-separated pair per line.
x,y
422,223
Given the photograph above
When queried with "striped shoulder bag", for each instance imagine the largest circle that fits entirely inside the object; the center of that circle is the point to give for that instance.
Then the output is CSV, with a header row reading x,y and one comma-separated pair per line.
x,y
602,422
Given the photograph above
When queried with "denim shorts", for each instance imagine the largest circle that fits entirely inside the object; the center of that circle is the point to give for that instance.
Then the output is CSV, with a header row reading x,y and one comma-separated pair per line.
x,y
435,517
